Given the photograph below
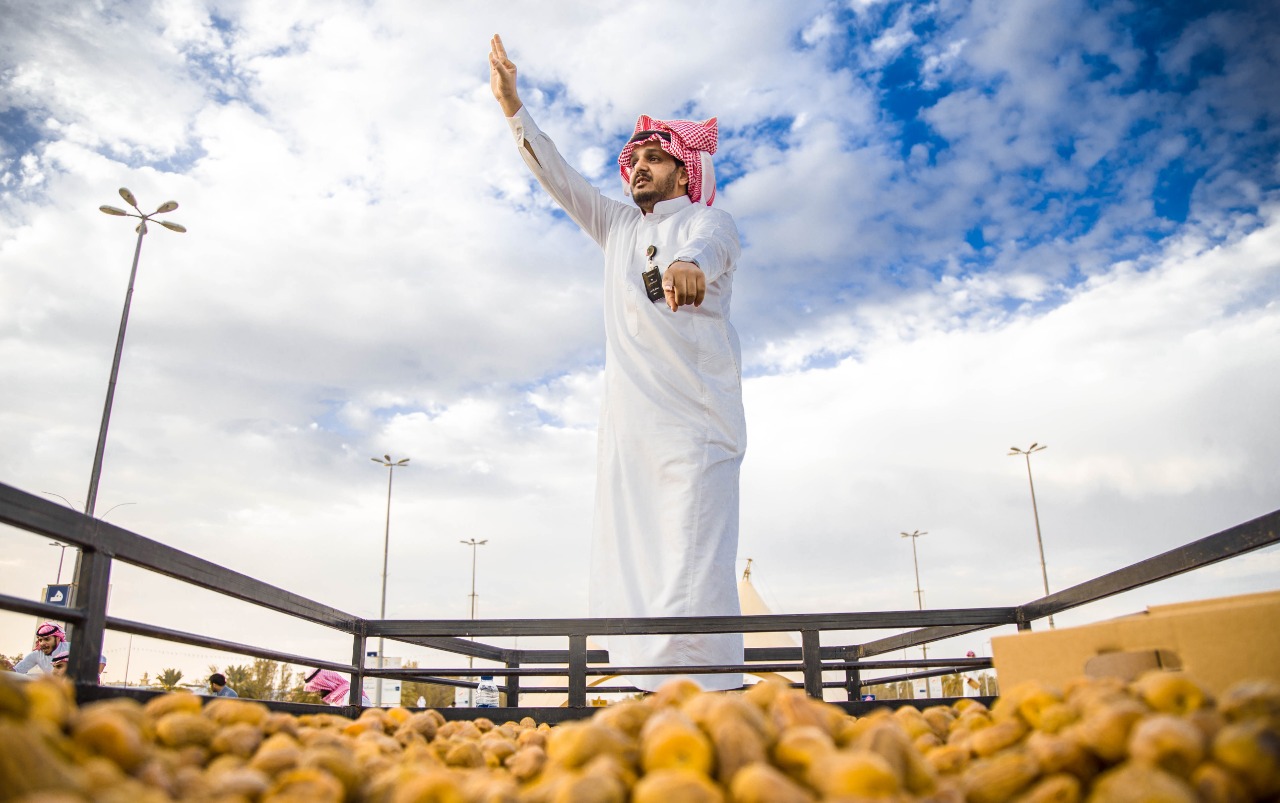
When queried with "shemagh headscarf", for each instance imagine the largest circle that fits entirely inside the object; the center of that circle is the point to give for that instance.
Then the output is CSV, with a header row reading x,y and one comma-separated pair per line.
x,y
329,685
50,629
690,142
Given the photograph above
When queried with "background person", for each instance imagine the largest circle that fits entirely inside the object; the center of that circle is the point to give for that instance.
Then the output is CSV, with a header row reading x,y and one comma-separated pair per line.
x,y
62,653
48,638
333,688
218,686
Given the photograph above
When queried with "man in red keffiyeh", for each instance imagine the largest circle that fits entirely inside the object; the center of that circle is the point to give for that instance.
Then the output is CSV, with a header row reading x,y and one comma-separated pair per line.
x,y
672,429
333,688
49,637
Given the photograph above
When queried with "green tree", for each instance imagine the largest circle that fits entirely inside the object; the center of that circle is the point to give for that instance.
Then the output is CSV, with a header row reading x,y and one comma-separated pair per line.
x,y
267,680
435,694
293,691
952,686
169,679
263,678
990,687
238,679
256,681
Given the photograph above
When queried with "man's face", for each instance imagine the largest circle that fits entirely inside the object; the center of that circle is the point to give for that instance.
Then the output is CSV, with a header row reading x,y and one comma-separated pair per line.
x,y
655,176
60,669
46,644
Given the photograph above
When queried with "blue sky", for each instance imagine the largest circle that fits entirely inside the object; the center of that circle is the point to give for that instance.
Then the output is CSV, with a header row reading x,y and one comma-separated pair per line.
x,y
967,225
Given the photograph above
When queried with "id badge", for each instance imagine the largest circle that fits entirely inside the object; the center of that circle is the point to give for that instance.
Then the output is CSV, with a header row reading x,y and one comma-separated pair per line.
x,y
653,277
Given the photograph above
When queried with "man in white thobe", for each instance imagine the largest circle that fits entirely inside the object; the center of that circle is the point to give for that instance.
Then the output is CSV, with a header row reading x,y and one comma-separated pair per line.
x,y
672,430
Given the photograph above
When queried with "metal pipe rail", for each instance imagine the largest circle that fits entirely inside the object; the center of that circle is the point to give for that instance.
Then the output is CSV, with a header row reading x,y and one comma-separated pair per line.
x,y
102,543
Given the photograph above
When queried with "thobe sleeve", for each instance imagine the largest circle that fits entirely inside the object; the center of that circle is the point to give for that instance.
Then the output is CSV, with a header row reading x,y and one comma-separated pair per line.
x,y
28,663
585,204
712,243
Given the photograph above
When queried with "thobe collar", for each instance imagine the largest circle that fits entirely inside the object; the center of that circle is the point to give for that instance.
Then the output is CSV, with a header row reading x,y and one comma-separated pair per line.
x,y
669,207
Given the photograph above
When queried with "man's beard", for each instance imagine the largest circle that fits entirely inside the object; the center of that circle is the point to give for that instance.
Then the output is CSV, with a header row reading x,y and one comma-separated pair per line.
x,y
654,192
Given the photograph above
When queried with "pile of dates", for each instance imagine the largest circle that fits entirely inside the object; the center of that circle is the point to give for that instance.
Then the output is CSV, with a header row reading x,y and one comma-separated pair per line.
x,y
1161,738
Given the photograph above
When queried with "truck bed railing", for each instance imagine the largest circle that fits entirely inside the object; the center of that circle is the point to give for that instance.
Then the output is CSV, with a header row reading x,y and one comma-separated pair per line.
x,y
102,543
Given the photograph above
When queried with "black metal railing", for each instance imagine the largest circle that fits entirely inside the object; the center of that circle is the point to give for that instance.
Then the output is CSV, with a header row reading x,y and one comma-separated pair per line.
x,y
103,543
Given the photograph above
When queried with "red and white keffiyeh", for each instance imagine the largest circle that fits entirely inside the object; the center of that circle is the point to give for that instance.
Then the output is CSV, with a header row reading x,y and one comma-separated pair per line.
x,y
691,142
51,629
334,688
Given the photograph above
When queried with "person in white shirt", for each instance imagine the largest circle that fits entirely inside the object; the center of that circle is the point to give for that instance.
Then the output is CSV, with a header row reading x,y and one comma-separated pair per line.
x,y
48,638
672,428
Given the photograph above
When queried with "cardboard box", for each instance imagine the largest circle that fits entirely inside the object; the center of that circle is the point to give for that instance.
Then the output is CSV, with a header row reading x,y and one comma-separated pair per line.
x,y
1219,642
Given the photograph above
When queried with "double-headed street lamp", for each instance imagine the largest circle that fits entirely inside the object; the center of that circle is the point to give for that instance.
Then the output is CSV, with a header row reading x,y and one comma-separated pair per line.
x,y
1030,450
473,543
391,465
63,553
924,648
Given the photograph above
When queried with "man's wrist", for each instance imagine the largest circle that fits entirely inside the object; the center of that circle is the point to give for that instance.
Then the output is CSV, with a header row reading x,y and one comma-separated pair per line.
x,y
690,260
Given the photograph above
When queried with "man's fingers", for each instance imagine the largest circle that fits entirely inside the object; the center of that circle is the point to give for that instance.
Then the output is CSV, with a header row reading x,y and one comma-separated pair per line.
x,y
498,55
683,285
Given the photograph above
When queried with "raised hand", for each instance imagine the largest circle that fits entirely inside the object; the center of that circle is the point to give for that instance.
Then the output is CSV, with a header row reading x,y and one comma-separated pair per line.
x,y
502,77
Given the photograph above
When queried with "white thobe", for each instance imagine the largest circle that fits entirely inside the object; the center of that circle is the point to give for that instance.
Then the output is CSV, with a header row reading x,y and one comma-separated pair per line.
x,y
672,429
36,659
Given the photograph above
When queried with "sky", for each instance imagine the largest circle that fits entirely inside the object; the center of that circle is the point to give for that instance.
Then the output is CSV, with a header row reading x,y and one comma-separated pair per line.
x,y
967,225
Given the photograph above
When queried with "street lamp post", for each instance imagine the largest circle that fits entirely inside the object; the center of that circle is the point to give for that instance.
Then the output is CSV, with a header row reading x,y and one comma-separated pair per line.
x,y
473,543
91,499
168,206
1044,572
915,561
61,556
385,460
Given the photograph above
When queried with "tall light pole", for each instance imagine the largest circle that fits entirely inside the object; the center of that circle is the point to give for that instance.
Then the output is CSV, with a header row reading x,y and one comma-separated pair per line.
x,y
473,543
1030,450
915,561
385,460
91,500
168,206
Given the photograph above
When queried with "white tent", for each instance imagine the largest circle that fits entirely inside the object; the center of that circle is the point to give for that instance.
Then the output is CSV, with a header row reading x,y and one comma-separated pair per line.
x,y
752,604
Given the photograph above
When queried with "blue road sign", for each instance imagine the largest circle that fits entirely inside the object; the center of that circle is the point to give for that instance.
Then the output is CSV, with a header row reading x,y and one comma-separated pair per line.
x,y
58,594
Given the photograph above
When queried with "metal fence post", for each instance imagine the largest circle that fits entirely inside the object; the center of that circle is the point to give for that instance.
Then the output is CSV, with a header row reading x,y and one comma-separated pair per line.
x,y
577,671
811,652
357,661
853,684
513,685
86,639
